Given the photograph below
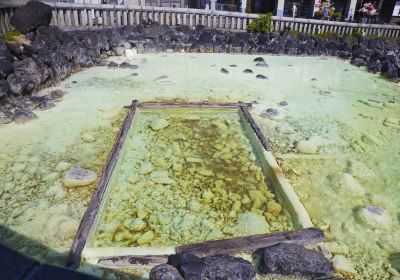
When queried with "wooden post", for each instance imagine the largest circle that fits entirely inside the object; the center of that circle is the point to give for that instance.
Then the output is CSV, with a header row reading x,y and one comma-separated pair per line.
x,y
162,18
125,18
98,194
75,18
105,18
61,19
68,21
54,20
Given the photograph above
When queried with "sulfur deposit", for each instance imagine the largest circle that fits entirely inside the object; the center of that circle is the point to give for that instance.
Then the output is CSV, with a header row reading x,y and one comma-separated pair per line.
x,y
184,178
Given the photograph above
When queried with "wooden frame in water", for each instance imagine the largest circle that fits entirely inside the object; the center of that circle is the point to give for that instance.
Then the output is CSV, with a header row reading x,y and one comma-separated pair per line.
x,y
272,172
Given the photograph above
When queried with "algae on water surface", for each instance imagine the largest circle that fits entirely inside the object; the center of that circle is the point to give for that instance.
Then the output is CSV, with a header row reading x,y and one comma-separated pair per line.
x,y
185,176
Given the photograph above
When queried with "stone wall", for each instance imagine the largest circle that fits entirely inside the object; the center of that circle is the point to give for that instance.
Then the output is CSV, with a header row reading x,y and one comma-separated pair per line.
x,y
42,58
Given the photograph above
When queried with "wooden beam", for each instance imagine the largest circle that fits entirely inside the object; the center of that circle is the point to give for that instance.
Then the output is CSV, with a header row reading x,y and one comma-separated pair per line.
x,y
256,129
127,261
253,243
248,244
98,194
191,104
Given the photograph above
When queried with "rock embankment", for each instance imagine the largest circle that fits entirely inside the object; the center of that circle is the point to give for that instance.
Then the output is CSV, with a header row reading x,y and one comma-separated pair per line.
x,y
45,55
280,259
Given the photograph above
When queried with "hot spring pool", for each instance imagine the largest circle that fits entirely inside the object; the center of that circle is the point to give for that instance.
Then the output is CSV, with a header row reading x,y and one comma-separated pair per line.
x,y
336,137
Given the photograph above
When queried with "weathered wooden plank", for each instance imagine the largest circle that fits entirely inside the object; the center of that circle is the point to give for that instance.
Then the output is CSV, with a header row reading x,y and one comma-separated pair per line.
x,y
253,243
256,129
191,104
248,244
98,194
127,261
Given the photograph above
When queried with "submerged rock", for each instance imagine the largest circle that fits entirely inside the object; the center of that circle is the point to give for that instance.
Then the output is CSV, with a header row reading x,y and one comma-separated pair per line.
x,y
22,116
63,166
248,71
348,182
161,78
292,259
283,103
146,168
127,65
261,77
311,145
360,170
270,113
373,217
262,64
249,223
165,272
135,224
159,124
370,139
146,238
57,95
78,176
112,64
342,265
87,137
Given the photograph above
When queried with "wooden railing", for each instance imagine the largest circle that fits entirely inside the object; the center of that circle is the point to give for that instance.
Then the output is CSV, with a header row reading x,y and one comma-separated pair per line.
x,y
73,16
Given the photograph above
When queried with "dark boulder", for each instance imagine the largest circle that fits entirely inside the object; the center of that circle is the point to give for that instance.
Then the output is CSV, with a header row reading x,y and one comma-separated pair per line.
x,y
3,88
225,71
60,67
28,76
344,54
390,70
193,270
127,65
228,267
29,17
259,59
165,272
358,62
261,77
57,95
374,66
81,56
248,71
190,266
292,259
6,67
22,116
182,258
6,117
16,49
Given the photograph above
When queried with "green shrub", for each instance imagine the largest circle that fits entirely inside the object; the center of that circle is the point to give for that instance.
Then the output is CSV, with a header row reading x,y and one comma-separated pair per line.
x,y
262,24
318,15
337,15
10,35
356,32
324,35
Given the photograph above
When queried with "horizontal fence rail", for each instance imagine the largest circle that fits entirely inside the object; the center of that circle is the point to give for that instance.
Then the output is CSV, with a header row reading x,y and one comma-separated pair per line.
x,y
74,15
